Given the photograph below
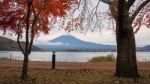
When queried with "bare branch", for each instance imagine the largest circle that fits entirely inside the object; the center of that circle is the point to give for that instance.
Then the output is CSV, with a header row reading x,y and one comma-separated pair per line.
x,y
89,16
32,28
107,1
113,9
18,37
32,34
28,25
18,41
139,9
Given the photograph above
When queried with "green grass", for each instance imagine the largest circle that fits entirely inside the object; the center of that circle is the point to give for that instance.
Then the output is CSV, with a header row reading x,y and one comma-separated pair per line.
x,y
78,76
108,58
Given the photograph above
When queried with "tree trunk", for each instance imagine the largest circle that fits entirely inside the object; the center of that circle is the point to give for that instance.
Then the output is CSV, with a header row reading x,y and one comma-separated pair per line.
x,y
25,67
126,65
126,57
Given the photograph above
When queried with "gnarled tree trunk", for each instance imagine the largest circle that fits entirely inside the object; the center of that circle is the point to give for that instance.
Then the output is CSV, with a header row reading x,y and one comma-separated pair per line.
x,y
126,65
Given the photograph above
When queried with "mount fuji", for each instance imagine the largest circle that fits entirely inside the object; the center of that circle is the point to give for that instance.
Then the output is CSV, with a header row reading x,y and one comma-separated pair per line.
x,y
71,43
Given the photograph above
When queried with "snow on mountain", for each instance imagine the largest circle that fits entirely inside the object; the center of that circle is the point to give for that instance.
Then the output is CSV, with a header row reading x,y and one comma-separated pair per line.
x,y
71,43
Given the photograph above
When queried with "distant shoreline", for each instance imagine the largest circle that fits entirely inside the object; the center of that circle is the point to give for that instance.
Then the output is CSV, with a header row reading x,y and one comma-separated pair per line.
x,y
63,51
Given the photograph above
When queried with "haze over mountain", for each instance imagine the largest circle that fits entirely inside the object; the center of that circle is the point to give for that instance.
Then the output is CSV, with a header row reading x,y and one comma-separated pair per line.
x,y
10,45
145,48
63,43
71,43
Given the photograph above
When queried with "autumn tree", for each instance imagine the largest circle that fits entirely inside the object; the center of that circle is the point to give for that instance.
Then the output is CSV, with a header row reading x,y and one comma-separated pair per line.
x,y
30,17
128,18
128,15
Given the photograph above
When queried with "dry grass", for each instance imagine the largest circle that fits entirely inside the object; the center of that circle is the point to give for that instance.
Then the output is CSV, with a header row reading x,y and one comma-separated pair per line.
x,y
107,58
5,58
66,76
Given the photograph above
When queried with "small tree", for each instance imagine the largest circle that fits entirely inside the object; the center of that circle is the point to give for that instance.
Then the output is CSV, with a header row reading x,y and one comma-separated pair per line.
x,y
33,16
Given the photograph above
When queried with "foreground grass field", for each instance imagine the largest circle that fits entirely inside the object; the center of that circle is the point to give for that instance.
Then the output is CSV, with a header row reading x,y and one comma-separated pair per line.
x,y
66,76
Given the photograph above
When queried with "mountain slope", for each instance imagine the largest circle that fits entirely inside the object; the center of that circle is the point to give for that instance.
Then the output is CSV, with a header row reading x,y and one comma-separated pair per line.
x,y
145,48
10,45
71,43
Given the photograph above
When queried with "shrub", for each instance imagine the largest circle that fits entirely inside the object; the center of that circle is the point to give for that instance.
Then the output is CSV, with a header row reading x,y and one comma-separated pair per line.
x,y
107,58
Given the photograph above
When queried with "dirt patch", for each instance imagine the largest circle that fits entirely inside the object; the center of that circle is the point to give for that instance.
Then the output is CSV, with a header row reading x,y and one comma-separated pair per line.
x,y
69,65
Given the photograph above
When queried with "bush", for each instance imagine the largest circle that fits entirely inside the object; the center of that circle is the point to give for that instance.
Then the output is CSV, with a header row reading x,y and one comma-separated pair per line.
x,y
108,58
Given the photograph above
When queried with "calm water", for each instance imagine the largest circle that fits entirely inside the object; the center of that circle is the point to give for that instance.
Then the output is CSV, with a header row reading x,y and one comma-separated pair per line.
x,y
67,56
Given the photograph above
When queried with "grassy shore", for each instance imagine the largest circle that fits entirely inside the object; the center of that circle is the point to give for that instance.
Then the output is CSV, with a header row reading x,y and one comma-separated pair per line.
x,y
107,58
5,58
73,76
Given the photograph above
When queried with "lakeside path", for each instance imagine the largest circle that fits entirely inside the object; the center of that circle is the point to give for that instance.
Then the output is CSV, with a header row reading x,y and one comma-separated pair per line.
x,y
69,65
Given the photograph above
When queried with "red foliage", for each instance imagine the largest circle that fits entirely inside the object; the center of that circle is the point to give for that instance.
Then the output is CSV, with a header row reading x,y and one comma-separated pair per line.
x,y
13,13
9,16
143,18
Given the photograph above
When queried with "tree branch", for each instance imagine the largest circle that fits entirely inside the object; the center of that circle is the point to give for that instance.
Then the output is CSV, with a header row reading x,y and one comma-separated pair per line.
x,y
32,28
113,9
28,26
18,41
107,1
113,12
139,9
130,3
18,37
31,40
32,35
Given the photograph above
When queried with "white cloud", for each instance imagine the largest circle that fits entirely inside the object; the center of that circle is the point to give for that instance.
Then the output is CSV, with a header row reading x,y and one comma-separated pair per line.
x,y
50,43
105,37
143,36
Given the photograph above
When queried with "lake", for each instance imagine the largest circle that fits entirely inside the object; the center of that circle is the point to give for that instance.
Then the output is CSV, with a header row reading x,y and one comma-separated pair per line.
x,y
67,56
